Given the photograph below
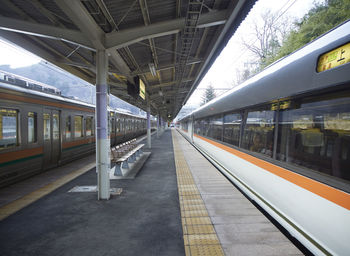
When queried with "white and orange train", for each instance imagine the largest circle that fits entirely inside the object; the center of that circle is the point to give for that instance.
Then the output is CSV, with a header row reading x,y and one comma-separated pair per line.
x,y
283,137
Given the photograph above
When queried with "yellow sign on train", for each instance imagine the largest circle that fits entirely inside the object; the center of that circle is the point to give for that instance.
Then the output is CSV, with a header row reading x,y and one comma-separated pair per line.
x,y
334,58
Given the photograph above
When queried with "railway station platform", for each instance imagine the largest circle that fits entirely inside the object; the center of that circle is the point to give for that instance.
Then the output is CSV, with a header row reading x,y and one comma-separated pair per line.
x,y
178,204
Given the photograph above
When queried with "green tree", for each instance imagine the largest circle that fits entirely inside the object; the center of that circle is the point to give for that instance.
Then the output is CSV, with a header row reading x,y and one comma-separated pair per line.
x,y
320,19
208,95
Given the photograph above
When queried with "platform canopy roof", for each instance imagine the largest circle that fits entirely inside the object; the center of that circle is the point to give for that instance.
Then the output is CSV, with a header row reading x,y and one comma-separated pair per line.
x,y
168,44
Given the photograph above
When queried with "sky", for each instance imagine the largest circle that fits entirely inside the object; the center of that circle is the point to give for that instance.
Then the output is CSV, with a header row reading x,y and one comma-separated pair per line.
x,y
15,56
224,70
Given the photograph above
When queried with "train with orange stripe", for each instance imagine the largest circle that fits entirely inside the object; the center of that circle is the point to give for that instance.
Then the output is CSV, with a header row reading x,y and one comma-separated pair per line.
x,y
40,129
283,137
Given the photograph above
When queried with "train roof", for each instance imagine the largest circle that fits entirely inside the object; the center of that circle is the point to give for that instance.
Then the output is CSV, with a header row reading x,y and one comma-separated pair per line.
x,y
290,76
25,79
58,97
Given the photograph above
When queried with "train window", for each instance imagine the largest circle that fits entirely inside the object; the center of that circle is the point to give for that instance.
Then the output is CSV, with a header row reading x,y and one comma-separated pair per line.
x,y
47,127
8,128
232,128
202,127
118,125
258,132
110,124
122,124
214,128
315,133
185,125
32,127
78,126
126,127
55,126
88,126
68,127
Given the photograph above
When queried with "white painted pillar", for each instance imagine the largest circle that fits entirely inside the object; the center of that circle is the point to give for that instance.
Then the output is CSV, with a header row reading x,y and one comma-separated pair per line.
x,y
102,140
148,125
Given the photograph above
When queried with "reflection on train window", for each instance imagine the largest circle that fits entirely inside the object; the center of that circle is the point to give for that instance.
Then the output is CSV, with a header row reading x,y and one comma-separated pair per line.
x,y
202,127
68,127
55,126
8,128
110,124
122,124
259,131
118,125
232,128
78,126
32,127
47,127
88,126
185,125
215,127
316,134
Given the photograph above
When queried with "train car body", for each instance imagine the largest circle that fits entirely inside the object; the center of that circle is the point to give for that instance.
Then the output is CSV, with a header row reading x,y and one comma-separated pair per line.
x,y
283,137
40,129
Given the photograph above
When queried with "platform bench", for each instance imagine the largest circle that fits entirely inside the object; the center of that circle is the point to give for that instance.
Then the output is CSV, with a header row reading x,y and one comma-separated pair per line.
x,y
124,154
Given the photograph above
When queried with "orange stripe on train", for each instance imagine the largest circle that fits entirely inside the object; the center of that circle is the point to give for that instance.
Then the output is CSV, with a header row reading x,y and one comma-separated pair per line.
x,y
334,195
77,143
15,155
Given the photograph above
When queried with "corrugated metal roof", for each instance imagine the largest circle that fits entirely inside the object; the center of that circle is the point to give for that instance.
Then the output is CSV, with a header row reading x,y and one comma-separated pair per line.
x,y
181,38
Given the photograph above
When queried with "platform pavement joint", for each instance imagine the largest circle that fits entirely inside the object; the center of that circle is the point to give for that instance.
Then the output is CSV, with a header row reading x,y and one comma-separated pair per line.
x,y
200,237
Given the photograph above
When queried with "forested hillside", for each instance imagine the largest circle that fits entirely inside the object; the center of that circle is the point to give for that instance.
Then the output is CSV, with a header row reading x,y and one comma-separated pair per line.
x,y
277,36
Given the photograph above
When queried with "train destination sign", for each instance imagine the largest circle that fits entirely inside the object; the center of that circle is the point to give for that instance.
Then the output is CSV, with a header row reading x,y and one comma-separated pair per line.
x,y
334,58
142,90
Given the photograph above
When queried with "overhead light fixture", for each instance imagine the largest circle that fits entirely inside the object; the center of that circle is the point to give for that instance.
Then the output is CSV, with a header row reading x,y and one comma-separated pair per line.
x,y
152,68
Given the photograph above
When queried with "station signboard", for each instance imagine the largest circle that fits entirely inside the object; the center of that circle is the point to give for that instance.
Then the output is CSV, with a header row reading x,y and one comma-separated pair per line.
x,y
142,90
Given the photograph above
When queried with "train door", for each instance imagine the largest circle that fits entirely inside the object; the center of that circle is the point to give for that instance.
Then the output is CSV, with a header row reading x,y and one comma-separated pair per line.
x,y
51,133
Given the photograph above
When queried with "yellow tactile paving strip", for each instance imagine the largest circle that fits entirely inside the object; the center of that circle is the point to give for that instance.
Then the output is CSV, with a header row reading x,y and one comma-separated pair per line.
x,y
18,204
199,234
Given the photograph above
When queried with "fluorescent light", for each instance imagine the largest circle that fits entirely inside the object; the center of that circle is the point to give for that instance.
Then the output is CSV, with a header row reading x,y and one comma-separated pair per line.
x,y
152,68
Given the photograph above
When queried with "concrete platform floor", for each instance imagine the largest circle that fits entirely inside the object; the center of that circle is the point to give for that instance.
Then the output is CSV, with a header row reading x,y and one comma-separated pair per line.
x,y
241,228
146,218
143,220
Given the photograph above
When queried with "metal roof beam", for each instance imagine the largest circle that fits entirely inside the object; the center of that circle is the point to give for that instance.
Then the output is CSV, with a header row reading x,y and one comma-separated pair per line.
x,y
35,49
206,64
151,87
119,39
78,14
46,31
164,67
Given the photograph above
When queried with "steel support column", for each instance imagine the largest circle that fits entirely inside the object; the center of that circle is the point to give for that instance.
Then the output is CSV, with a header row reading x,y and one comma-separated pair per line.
x,y
148,124
102,140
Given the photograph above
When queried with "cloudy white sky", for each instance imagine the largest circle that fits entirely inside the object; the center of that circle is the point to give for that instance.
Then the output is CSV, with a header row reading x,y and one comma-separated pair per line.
x,y
15,56
223,72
